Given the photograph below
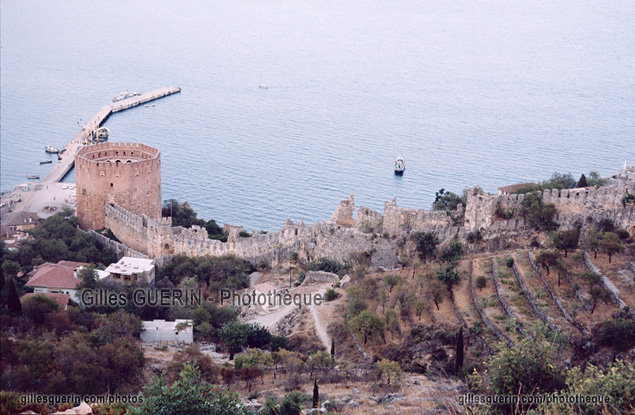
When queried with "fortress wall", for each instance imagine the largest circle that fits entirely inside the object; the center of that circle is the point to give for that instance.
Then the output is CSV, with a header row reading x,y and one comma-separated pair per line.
x,y
479,210
399,219
336,240
369,220
127,227
120,249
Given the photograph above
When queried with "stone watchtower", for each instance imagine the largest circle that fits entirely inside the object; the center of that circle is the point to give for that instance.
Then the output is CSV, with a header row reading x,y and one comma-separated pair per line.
x,y
128,174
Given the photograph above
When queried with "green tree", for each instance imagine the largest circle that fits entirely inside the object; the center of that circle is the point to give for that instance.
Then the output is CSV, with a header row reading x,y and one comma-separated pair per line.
x,y
188,395
528,368
13,299
582,182
355,306
391,281
449,276
480,282
426,245
88,278
368,325
447,201
419,307
611,244
436,292
388,369
547,259
595,180
452,253
595,289
565,240
234,334
10,268
37,307
559,181
537,214
592,242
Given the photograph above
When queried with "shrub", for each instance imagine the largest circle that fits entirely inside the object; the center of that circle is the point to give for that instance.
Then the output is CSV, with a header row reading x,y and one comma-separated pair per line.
x,y
509,262
474,236
623,234
330,295
481,282
244,234
327,265
618,334
617,383
527,368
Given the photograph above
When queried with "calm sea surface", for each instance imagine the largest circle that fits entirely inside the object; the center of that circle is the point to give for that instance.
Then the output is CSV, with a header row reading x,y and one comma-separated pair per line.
x,y
470,92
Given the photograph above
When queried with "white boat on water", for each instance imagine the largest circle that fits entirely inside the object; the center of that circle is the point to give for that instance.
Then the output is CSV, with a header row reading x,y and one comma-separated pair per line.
x,y
124,95
400,165
51,149
263,86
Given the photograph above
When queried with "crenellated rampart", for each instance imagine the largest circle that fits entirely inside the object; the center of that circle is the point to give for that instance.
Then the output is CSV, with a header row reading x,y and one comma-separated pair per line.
x,y
383,235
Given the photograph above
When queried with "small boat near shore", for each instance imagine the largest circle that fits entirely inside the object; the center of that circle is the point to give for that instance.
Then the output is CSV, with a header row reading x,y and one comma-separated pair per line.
x,y
125,95
400,165
51,149
32,176
46,161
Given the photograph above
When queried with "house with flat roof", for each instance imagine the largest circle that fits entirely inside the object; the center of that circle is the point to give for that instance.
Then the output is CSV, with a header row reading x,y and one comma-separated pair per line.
x,y
129,270
179,330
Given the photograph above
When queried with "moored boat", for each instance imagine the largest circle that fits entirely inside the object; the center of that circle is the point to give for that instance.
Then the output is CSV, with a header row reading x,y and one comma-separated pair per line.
x,y
400,165
51,149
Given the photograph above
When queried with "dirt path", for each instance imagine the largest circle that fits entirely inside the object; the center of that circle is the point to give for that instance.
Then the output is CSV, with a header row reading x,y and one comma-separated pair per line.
x,y
320,328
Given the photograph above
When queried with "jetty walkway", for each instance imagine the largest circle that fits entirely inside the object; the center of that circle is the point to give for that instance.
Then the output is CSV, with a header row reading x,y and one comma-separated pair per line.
x,y
68,156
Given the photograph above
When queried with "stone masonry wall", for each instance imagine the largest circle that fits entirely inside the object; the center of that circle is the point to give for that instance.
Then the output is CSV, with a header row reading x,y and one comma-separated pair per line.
x,y
122,173
344,234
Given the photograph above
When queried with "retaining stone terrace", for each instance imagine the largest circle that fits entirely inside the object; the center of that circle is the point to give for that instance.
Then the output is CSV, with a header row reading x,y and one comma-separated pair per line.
x,y
555,298
503,302
484,317
532,301
607,284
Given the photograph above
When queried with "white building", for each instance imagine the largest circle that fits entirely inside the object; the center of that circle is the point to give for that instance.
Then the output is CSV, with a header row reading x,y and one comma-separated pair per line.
x,y
167,331
129,269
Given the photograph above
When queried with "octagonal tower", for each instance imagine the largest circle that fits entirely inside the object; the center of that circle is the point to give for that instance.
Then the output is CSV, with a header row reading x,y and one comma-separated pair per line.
x,y
128,174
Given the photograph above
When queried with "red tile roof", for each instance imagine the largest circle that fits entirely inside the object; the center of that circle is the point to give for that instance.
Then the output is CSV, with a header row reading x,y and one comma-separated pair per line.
x,y
53,276
72,264
61,298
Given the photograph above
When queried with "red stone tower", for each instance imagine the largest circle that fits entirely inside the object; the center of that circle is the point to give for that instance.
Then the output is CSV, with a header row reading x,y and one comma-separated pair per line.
x,y
128,174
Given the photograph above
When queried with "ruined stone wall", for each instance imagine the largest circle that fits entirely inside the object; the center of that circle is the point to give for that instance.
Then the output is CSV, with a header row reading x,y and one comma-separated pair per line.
x,y
343,214
479,210
122,173
369,220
